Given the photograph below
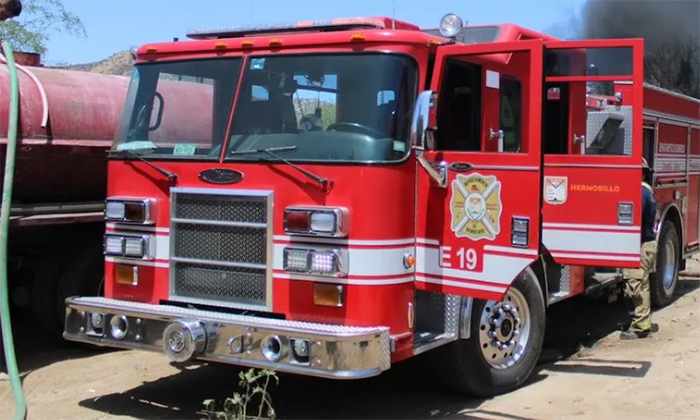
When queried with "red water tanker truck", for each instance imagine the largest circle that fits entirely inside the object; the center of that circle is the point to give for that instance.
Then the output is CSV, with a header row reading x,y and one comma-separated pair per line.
x,y
68,119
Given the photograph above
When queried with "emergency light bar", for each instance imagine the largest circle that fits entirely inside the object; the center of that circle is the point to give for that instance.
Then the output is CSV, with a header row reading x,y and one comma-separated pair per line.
x,y
341,24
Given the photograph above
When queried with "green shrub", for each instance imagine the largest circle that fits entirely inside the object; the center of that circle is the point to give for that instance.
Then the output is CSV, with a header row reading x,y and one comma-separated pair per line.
x,y
236,407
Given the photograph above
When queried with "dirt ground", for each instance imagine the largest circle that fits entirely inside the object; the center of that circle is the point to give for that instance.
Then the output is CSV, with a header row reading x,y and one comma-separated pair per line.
x,y
586,372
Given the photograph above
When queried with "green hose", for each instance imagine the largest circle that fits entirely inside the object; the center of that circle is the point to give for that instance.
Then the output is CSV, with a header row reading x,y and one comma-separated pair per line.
x,y
7,340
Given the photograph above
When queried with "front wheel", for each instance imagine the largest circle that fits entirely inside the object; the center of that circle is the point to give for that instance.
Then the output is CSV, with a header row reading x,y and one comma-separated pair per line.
x,y
504,344
663,282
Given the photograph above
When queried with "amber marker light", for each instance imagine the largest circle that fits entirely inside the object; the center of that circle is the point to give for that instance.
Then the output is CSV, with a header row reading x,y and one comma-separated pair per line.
x,y
328,294
151,49
220,45
126,274
275,41
247,44
409,261
357,37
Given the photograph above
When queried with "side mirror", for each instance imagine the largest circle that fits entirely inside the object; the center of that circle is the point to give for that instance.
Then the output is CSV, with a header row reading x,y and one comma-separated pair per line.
x,y
421,133
422,137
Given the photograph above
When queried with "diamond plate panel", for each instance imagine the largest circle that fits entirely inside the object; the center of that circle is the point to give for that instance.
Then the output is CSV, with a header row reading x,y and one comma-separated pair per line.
x,y
565,279
220,247
158,311
437,312
596,120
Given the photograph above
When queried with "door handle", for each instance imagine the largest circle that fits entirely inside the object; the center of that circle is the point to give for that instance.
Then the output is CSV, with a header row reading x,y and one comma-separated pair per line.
x,y
582,143
497,135
439,175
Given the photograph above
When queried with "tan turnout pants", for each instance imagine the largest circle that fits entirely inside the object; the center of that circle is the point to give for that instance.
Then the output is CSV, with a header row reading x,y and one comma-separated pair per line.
x,y
637,287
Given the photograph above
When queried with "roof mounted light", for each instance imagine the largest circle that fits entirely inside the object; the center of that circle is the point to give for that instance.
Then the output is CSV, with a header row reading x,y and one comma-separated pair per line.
x,y
451,25
338,24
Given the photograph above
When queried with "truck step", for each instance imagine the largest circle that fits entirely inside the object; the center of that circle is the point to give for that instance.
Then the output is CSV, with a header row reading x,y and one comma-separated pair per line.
x,y
424,341
602,280
557,297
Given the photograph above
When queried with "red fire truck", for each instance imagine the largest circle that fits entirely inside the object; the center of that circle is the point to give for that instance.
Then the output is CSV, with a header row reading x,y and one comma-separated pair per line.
x,y
348,194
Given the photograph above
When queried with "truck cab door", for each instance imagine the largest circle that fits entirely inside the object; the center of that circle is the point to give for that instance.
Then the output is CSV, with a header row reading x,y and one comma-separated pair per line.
x,y
591,214
477,142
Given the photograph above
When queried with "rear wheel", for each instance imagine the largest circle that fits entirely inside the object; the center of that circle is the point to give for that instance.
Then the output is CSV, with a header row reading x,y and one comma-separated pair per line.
x,y
81,275
45,301
663,282
504,344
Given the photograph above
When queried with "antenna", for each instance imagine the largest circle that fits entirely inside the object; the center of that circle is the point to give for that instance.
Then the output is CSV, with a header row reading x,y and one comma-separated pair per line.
x,y
393,14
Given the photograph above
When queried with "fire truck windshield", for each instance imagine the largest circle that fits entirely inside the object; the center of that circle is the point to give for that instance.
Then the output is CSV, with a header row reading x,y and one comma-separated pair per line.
x,y
332,107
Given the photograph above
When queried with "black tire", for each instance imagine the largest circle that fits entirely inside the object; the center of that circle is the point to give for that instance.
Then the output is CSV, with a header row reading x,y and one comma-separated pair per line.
x,y
663,295
463,363
82,274
46,306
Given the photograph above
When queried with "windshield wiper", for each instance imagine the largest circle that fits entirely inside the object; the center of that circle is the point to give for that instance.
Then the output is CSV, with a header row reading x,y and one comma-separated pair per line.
x,y
324,183
172,176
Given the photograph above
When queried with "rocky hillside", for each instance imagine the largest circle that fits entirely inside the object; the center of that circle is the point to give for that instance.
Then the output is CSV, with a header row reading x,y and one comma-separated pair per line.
x,y
120,64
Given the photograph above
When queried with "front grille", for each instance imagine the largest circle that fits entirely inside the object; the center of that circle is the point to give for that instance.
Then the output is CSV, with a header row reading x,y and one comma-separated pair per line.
x,y
219,247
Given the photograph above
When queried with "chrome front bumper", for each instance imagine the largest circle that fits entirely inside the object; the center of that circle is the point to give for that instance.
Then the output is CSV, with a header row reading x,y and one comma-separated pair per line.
x,y
328,351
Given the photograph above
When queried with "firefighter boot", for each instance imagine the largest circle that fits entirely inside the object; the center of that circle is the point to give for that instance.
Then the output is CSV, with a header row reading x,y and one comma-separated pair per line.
x,y
635,334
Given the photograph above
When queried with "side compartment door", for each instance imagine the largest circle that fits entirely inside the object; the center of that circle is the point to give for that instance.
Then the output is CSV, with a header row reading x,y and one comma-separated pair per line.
x,y
478,176
591,214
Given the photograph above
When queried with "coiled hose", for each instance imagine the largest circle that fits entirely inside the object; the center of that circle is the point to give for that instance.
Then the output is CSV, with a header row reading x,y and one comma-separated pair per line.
x,y
7,340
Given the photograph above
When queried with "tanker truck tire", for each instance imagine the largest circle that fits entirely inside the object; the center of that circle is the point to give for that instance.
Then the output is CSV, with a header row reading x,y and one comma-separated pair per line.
x,y
496,359
663,282
45,295
82,274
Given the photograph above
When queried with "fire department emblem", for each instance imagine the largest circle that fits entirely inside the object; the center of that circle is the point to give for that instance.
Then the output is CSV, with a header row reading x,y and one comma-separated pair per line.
x,y
555,188
476,206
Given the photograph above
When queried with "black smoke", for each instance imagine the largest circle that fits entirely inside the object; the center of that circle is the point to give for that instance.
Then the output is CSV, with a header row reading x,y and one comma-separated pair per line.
x,y
671,32
657,21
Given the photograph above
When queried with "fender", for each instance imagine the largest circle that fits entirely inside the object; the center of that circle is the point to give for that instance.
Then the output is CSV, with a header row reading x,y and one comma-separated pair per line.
x,y
465,317
662,218
539,267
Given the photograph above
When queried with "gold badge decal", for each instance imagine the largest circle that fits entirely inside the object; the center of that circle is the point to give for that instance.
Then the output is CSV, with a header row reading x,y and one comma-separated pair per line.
x,y
476,206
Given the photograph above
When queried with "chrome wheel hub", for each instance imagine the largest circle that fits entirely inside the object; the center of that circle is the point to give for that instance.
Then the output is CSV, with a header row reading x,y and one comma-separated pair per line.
x,y
668,270
504,330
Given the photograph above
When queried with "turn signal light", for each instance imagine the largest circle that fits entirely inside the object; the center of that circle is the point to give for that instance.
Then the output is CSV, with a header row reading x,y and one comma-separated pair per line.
x,y
328,294
126,274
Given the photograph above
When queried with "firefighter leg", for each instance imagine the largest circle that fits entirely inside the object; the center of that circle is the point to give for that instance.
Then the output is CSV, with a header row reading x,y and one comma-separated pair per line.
x,y
637,289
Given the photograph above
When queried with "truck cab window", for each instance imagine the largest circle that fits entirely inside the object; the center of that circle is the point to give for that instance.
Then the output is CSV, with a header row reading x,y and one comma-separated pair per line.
x,y
511,113
649,134
556,117
459,109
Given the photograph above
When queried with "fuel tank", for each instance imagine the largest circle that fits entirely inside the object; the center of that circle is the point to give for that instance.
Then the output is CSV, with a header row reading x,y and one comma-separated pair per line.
x,y
64,161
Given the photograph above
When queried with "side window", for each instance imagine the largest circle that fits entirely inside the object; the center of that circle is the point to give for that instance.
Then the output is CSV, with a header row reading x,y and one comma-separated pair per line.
x,y
556,116
648,152
511,113
595,89
459,111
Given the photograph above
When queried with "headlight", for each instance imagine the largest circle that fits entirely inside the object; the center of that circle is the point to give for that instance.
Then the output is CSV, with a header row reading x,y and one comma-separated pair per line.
x,y
451,25
317,221
130,210
129,246
325,262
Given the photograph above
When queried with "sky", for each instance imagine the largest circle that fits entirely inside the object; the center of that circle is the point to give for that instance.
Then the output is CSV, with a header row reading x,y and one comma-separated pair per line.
x,y
117,25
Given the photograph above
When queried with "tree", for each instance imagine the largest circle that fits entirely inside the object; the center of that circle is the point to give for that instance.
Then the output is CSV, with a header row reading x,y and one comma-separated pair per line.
x,y
675,65
31,31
